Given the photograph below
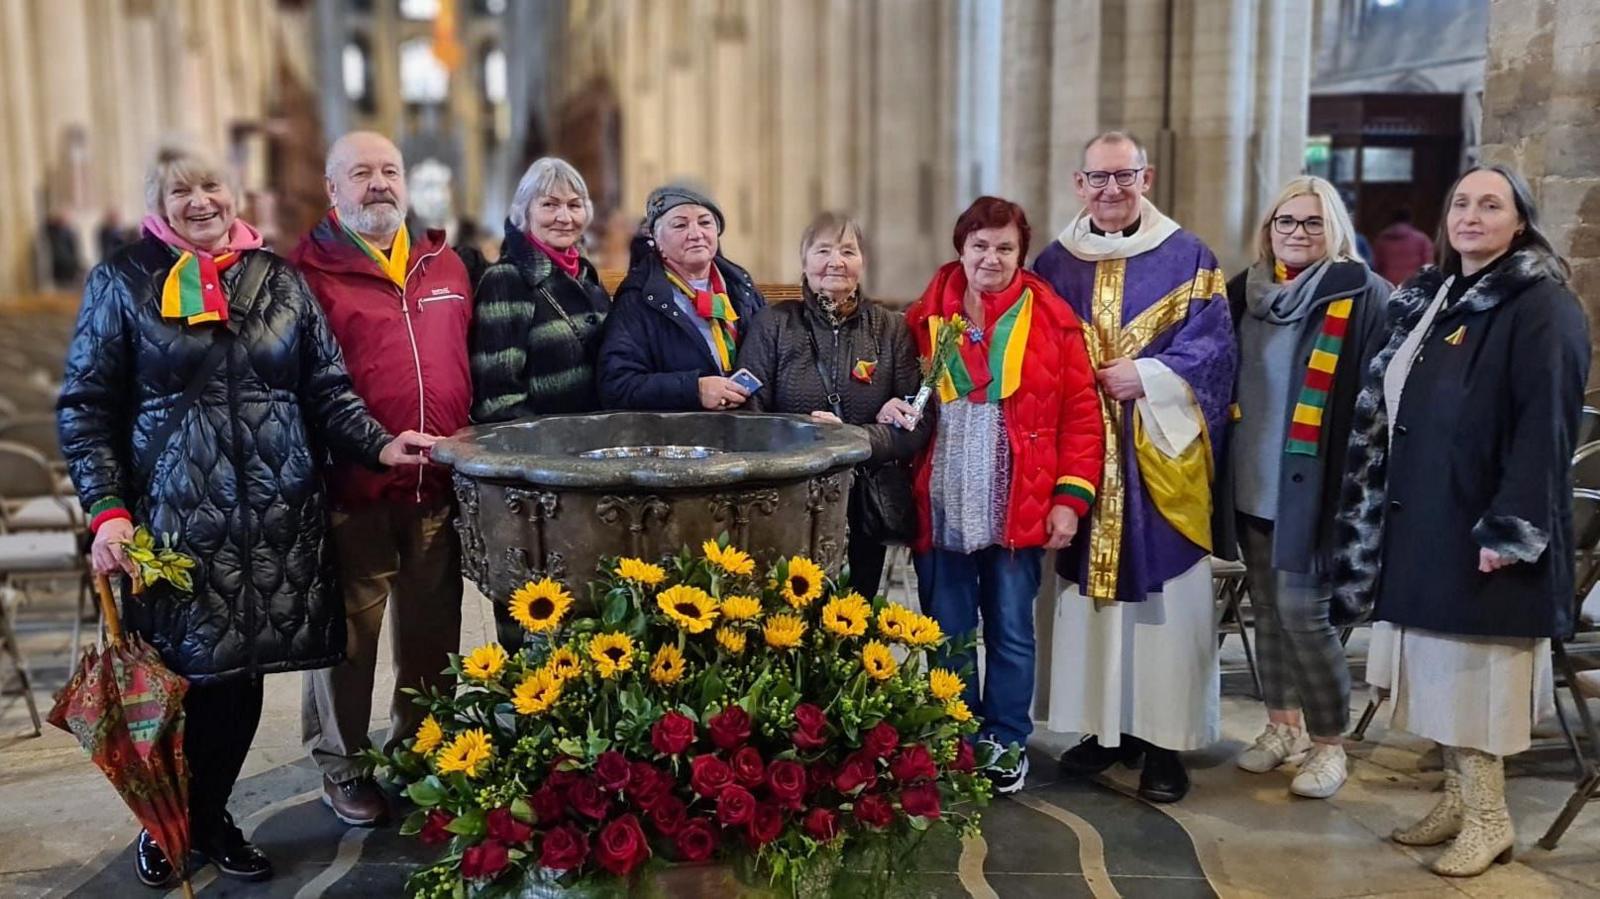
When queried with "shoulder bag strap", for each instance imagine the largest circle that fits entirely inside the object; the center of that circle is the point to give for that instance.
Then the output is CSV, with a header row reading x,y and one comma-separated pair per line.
x,y
834,399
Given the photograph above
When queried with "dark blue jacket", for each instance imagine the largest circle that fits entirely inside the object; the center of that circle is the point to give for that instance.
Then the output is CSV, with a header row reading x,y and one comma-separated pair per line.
x,y
653,355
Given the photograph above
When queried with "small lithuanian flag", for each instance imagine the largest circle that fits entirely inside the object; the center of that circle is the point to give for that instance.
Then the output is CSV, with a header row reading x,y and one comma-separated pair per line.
x,y
1455,337
863,370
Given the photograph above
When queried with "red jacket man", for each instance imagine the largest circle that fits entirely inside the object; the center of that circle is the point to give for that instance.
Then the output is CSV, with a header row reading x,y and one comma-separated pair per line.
x,y
1401,250
400,307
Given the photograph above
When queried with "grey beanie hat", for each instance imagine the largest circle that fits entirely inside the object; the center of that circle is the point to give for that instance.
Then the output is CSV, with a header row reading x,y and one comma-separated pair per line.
x,y
664,199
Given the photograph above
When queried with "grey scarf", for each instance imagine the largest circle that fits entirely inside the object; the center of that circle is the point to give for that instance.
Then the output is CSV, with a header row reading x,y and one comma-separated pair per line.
x,y
1282,304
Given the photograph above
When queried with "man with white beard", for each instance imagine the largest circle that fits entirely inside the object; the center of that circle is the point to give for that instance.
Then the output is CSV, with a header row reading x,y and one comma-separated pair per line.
x,y
400,305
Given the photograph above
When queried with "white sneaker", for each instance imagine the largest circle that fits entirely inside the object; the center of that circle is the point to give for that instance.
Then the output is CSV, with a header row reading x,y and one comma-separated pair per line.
x,y
1322,773
1276,745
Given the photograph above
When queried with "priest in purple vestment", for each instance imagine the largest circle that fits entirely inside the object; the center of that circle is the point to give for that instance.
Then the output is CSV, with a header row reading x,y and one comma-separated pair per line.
x,y
1133,664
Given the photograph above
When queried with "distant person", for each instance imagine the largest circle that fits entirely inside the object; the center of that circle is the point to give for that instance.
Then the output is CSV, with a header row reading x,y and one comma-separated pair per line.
x,y
1401,249
112,236
64,261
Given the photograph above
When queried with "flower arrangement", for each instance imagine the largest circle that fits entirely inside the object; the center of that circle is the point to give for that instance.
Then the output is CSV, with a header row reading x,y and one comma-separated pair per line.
x,y
708,712
945,345
159,561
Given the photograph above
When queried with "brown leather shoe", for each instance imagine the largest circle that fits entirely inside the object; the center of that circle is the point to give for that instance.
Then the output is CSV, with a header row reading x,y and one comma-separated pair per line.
x,y
358,803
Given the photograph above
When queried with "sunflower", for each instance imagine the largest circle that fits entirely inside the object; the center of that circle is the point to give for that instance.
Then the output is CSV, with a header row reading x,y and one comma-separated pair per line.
x,y
944,684
957,709
563,664
924,631
741,608
540,606
667,667
847,616
536,693
690,608
429,736
467,753
730,639
485,663
612,653
640,572
878,661
803,582
729,559
895,622
784,631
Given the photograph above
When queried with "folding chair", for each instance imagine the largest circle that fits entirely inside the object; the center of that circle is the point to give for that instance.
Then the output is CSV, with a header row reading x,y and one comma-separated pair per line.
x,y
1588,426
30,555
1586,467
8,643
1231,584
1586,540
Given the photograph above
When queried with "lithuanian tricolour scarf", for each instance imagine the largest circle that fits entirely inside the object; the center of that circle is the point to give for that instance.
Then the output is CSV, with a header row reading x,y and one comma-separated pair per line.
x,y
1305,428
714,306
192,290
394,262
987,365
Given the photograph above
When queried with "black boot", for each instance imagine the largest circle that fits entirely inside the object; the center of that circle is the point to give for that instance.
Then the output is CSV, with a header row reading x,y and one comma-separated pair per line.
x,y
1089,758
151,864
1164,778
227,848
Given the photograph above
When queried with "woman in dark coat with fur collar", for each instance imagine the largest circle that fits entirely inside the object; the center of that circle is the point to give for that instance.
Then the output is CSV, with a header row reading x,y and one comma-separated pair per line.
x,y
1457,507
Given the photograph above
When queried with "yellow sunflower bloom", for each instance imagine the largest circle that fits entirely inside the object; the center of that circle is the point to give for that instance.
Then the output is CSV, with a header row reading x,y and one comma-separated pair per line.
x,y
612,654
784,631
539,607
958,711
429,736
690,608
563,664
846,616
467,753
741,608
536,693
895,622
729,559
924,631
730,639
668,666
945,684
640,572
485,663
804,582
878,661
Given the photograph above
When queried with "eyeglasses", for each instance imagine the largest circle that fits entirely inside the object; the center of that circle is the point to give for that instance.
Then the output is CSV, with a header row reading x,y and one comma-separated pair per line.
x,y
1285,225
1125,177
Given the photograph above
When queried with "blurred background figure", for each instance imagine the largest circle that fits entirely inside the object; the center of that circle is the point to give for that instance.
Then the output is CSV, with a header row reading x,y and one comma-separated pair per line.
x,y
1401,250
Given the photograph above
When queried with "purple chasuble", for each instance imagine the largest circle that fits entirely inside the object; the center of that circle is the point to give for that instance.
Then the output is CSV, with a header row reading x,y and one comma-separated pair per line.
x,y
1197,343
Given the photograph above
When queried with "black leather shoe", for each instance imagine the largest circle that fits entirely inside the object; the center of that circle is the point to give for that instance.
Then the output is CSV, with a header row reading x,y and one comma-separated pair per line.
x,y
1164,778
234,856
1089,758
151,864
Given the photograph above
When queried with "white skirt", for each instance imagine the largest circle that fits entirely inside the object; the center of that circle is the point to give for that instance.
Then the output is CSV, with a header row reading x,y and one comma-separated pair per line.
x,y
1148,669
1482,693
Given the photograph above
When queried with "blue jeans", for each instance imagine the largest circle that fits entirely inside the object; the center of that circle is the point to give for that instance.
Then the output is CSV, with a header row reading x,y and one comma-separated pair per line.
x,y
1001,584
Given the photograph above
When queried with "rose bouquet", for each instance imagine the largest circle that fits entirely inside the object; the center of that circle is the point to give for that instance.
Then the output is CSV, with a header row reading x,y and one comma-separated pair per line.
x,y
711,711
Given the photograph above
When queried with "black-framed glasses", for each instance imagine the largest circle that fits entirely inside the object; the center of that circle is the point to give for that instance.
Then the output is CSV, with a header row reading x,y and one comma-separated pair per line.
x,y
1124,177
1285,225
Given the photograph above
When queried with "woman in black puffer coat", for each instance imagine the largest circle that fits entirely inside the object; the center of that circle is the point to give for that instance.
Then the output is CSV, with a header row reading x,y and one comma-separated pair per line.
x,y
235,480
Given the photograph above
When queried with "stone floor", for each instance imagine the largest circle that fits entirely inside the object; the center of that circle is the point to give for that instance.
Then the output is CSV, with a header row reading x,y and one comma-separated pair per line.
x,y
64,833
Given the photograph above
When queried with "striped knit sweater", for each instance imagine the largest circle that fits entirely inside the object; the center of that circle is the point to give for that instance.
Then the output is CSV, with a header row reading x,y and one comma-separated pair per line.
x,y
535,336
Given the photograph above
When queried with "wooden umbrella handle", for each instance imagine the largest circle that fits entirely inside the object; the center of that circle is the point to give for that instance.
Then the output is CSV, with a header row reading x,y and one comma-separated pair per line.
x,y
108,609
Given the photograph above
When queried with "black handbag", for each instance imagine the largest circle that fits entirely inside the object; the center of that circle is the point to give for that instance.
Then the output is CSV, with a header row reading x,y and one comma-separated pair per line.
x,y
881,507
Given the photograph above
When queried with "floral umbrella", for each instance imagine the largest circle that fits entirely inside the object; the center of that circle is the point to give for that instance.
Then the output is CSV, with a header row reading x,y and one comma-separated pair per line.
x,y
126,709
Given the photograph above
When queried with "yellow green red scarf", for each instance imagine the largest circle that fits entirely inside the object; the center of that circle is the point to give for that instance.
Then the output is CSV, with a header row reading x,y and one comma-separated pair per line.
x,y
193,289
393,263
1305,426
714,306
987,376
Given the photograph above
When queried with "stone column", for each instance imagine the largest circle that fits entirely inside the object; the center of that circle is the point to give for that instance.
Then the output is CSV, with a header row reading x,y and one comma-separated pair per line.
x,y
1540,94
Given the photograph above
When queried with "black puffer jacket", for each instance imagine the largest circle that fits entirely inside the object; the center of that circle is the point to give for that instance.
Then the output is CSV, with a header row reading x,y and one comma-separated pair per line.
x,y
238,482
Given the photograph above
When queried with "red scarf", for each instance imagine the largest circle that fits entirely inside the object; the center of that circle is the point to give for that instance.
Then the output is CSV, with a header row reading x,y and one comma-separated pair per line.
x,y
567,260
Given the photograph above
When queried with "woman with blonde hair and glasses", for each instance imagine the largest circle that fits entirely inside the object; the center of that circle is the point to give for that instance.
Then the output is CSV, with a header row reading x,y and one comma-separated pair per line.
x,y
1309,315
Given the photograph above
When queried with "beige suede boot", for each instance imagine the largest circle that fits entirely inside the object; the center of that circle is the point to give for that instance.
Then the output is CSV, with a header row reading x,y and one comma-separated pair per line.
x,y
1444,820
1486,837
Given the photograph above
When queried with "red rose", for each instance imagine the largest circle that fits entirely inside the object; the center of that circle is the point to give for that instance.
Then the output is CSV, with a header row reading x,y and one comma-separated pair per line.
x,y
786,781
748,769
433,831
881,740
549,806
561,778
921,801
874,811
860,772
765,824
647,785
697,841
811,727
586,799
729,728
819,776
622,846
735,805
612,771
484,861
965,759
507,829
564,848
668,815
913,764
709,774
672,734
822,825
